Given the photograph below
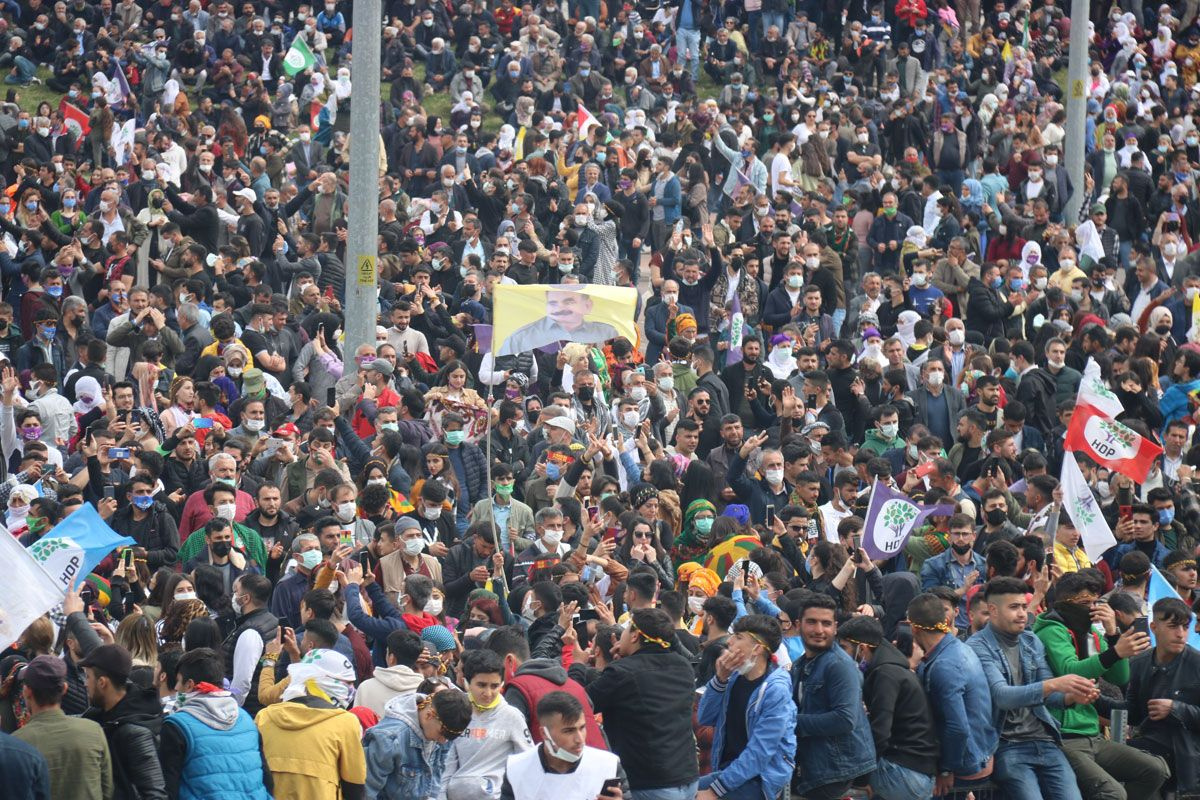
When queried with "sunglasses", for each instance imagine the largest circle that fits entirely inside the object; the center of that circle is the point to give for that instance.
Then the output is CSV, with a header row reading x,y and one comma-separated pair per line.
x,y
643,535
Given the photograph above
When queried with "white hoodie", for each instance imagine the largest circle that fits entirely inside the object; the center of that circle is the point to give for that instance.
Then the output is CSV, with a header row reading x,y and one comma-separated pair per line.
x,y
388,682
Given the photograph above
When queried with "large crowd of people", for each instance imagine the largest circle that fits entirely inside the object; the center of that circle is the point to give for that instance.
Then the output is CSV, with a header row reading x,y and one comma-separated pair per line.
x,y
420,568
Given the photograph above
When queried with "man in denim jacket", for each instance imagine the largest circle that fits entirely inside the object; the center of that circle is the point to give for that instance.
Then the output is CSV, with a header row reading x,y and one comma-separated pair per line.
x,y
753,718
958,568
961,701
1030,763
832,731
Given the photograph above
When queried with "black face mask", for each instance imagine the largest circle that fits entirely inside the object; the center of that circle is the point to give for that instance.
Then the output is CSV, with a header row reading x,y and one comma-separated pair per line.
x,y
996,516
221,549
961,549
585,394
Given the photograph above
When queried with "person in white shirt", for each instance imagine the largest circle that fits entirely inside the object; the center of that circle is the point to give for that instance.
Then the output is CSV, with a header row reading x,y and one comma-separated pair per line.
x,y
401,335
841,503
781,164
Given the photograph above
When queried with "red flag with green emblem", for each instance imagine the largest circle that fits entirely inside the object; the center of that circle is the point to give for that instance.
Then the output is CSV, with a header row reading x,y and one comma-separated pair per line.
x,y
1110,444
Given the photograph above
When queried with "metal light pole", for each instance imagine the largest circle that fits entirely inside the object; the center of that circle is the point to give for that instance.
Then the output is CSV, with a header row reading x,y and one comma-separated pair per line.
x,y
1077,70
362,212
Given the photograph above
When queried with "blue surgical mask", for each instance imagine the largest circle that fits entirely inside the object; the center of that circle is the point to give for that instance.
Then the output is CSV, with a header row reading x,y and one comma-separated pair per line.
x,y
455,438
553,472
997,282
143,501
54,291
1166,516
704,525
309,559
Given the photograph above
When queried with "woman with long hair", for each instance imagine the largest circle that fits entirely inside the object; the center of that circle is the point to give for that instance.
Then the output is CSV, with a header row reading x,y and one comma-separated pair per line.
x,y
136,634
451,394
210,587
375,473
175,622
182,397
641,545
202,632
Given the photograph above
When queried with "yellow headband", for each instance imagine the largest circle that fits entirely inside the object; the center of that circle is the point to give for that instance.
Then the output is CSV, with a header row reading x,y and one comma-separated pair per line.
x,y
759,639
856,641
941,627
1190,562
647,637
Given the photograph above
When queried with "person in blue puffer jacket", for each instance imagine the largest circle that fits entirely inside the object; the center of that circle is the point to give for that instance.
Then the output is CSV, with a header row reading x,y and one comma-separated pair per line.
x,y
406,752
748,703
210,748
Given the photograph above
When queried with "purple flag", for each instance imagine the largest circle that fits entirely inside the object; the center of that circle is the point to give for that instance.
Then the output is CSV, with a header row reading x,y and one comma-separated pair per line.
x,y
742,180
891,517
122,81
483,338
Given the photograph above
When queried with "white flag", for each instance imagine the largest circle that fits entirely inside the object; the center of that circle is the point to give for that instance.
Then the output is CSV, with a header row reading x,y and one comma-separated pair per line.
x,y
1084,510
26,590
1095,393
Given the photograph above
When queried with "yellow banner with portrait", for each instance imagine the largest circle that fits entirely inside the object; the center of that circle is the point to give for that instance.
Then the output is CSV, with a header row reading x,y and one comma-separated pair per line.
x,y
528,317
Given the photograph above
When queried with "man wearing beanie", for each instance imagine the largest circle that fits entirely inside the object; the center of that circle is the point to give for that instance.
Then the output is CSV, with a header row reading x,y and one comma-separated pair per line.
x,y
75,749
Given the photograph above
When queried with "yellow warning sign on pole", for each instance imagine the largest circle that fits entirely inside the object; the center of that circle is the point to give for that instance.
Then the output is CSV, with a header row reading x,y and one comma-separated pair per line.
x,y
366,270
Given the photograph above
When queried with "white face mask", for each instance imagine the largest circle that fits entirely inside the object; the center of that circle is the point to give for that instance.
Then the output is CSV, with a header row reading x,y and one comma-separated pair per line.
x,y
253,425
773,476
185,596
227,510
889,430
556,751
377,482
413,547
1039,283
345,511
936,378
670,298
666,384
551,538
581,220
434,606
696,604
432,513
920,278
630,419
956,337
638,393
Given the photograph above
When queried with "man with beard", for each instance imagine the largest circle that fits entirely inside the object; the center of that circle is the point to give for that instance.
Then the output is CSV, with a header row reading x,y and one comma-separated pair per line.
x,y
958,568
742,376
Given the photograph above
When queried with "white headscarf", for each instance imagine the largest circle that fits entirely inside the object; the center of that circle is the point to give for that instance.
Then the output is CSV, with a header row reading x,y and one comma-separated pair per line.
x,y
341,87
87,390
507,136
904,328
322,672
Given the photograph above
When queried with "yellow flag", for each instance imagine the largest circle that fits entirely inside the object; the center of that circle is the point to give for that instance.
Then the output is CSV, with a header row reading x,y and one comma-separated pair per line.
x,y
528,317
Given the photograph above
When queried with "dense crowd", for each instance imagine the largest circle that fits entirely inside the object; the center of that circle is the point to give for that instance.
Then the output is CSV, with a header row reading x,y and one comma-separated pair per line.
x,y
600,569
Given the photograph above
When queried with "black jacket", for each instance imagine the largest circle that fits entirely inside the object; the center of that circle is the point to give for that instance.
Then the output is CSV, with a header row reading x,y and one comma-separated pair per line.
x,y
987,311
157,533
1036,390
456,574
131,728
646,700
1178,681
901,719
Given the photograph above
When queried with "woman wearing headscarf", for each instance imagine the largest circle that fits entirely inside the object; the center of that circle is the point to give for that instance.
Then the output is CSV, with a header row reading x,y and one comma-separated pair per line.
x,y
694,542
698,583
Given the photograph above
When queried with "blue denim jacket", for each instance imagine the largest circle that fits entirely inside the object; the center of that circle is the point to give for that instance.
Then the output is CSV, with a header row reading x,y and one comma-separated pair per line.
x,y
951,674
770,721
832,729
1007,696
401,763
936,571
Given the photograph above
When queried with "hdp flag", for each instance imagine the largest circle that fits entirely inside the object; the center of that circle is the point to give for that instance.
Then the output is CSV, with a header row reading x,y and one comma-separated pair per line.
x,y
1111,444
299,57
122,81
1094,392
737,323
891,517
26,590
528,317
1081,505
74,118
584,121
77,545
1158,589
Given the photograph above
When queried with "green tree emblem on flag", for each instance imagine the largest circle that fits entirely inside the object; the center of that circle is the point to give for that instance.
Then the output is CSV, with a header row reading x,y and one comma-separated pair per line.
x,y
1099,388
44,548
897,516
1083,512
1117,431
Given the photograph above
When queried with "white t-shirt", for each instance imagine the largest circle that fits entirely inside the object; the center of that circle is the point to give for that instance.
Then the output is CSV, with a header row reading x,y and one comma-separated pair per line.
x,y
780,166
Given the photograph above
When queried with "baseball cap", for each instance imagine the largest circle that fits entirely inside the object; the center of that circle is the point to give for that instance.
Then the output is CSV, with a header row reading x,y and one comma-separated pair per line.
x,y
380,366
253,381
564,422
45,672
111,659
246,194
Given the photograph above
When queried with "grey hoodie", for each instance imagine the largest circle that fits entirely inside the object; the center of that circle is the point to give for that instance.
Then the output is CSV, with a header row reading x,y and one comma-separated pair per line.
x,y
219,712
387,683
476,762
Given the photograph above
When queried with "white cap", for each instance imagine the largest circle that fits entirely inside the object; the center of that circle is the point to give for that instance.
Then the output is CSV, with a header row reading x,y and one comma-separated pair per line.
x,y
246,194
564,421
